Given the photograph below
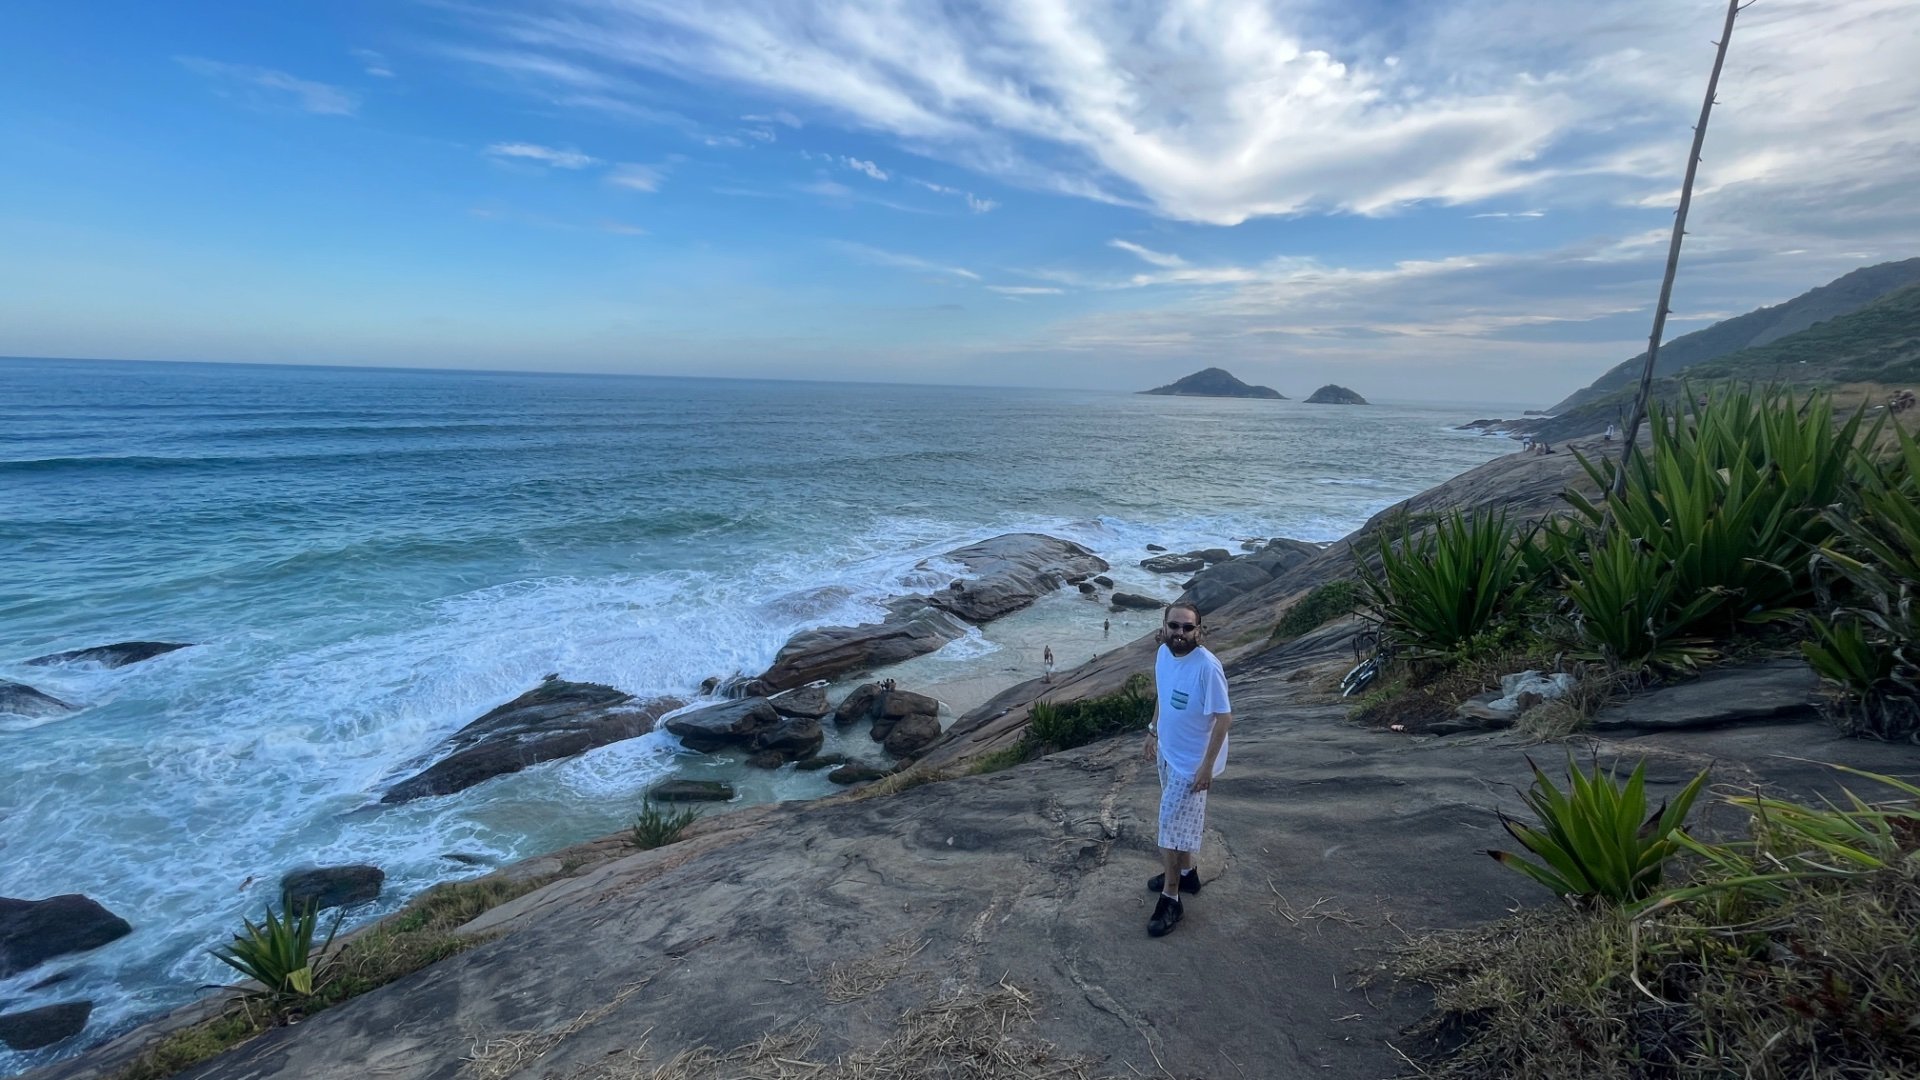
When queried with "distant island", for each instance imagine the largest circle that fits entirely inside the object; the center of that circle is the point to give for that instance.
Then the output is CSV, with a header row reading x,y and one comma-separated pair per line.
x,y
1215,382
1335,395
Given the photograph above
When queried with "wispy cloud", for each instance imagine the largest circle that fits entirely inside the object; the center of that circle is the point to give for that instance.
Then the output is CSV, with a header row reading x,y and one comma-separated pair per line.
x,y
830,189
545,155
880,257
1512,214
373,63
269,88
867,167
778,116
974,202
1025,290
634,177
1147,254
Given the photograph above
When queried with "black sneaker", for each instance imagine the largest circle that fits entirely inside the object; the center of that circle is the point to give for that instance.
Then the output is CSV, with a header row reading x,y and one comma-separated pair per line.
x,y
1189,883
1166,915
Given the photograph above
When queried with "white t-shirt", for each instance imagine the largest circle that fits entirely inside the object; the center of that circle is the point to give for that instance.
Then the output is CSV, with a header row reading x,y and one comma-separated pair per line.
x,y
1192,690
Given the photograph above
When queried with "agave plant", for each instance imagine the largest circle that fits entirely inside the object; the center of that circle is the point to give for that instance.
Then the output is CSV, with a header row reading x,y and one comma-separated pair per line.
x,y
1437,592
1597,841
279,953
658,828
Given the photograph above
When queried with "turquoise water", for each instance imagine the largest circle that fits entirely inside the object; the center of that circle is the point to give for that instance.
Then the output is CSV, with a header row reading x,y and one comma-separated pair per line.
x,y
369,559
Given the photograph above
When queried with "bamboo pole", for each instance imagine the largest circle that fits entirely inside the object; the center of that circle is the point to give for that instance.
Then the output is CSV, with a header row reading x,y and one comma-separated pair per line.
x,y
1734,7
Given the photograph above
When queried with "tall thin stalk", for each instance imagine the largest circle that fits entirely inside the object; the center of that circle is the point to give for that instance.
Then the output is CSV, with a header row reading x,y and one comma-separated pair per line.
x,y
1639,413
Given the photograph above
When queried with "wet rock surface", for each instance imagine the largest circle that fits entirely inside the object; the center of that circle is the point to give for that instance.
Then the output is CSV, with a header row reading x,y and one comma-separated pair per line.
x,y
34,931
33,1029
119,654
23,700
557,719
325,887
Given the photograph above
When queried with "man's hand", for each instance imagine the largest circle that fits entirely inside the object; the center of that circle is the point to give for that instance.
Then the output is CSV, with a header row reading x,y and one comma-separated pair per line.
x,y
1203,779
1153,749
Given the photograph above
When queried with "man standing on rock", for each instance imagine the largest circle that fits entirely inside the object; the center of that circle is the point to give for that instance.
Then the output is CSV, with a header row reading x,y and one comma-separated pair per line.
x,y
1188,739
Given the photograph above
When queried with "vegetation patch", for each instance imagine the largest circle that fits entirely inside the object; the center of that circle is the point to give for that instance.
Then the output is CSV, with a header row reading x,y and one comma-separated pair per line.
x,y
1794,952
1323,604
405,942
658,828
1069,724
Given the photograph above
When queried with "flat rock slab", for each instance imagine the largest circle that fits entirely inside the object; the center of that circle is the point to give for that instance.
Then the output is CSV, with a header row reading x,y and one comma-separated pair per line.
x,y
34,931
690,791
730,723
1010,572
119,654
910,629
1780,690
32,1029
23,700
805,701
554,720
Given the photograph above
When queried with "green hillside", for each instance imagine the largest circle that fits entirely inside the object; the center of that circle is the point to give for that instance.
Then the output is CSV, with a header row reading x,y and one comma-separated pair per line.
x,y
1879,343
1841,296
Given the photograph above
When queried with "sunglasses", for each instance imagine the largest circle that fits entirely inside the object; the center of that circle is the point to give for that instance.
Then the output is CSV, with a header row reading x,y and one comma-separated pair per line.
x,y
1183,627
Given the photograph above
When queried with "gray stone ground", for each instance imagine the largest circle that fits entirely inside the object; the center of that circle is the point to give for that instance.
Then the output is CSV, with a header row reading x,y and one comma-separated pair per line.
x,y
1326,844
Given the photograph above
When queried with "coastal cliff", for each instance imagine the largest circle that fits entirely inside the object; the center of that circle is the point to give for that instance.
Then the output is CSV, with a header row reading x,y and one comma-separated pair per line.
x,y
1006,909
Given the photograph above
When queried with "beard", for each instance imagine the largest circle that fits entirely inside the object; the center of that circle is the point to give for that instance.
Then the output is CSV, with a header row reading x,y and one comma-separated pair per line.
x,y
1182,645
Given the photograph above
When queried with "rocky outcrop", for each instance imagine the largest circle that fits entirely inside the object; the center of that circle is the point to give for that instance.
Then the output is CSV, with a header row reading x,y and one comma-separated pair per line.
x,y
855,773
1217,584
119,654
903,721
1007,573
1120,601
34,931
728,724
23,700
1012,571
33,1029
671,791
1174,564
326,887
1335,395
556,719
910,629
806,701
752,725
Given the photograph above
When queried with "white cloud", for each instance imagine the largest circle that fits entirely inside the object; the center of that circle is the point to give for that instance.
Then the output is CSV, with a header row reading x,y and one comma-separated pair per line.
x,y
1222,110
545,155
267,87
906,262
1512,214
1025,290
638,177
1154,257
867,167
717,141
831,189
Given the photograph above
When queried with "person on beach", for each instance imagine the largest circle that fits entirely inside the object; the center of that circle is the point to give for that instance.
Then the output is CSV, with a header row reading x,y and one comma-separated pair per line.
x,y
1106,628
1188,741
1046,659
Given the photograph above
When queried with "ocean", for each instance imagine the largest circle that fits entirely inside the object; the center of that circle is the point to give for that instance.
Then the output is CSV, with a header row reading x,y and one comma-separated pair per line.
x,y
368,559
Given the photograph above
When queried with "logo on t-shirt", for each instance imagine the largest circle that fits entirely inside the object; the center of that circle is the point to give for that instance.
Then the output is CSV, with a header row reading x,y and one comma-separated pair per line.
x,y
1179,699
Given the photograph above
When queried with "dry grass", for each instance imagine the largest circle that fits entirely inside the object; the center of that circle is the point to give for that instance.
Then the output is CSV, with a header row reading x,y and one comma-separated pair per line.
x,y
1823,981
505,1055
851,980
969,1036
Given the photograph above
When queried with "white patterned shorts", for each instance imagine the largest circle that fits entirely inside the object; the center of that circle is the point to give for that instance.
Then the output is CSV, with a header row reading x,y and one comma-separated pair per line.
x,y
1183,812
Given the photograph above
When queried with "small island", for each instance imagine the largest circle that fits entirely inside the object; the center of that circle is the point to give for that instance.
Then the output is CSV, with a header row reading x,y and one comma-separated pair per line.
x,y
1335,395
1215,382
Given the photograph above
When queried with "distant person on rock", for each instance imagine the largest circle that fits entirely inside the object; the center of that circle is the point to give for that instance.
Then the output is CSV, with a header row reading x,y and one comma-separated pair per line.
x,y
1188,740
1610,432
1046,659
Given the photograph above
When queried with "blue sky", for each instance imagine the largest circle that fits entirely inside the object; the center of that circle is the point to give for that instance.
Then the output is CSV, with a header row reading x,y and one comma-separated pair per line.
x,y
1455,200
